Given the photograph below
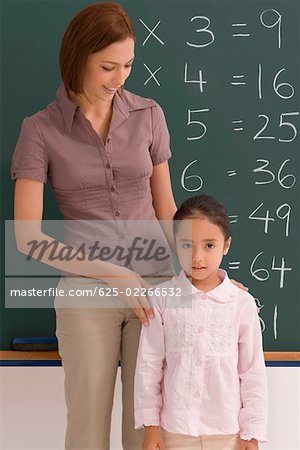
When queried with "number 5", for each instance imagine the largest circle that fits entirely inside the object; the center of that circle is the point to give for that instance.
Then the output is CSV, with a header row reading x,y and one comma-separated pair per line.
x,y
288,124
191,122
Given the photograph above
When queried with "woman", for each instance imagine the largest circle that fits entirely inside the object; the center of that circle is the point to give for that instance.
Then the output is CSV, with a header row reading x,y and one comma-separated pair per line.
x,y
104,151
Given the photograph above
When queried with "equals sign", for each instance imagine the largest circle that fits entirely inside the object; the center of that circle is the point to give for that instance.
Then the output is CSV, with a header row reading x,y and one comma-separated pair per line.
x,y
233,219
237,122
234,265
238,77
240,34
231,173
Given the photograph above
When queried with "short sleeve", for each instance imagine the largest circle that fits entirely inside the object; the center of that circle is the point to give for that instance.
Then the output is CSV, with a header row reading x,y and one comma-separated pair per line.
x,y
29,158
160,147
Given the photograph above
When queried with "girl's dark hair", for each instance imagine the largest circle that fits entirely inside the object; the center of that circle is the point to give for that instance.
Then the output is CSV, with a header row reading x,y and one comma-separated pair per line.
x,y
92,29
203,205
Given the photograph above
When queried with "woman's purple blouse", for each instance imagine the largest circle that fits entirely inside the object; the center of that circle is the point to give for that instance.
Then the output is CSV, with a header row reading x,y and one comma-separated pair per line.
x,y
92,179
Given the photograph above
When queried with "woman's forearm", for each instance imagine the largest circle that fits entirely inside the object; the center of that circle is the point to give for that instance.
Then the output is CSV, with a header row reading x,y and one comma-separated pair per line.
x,y
37,245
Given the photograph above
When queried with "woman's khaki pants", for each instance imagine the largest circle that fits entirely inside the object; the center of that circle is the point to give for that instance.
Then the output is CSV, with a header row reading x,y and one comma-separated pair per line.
x,y
175,441
92,341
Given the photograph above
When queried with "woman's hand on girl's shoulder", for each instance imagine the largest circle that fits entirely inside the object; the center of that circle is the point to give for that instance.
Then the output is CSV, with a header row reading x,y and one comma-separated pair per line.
x,y
249,445
239,285
153,439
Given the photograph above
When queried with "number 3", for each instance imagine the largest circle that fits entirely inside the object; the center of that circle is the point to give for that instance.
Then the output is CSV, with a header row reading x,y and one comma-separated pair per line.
x,y
203,30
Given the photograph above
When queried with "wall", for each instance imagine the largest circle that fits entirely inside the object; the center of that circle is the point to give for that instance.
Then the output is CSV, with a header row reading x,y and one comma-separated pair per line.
x,y
32,406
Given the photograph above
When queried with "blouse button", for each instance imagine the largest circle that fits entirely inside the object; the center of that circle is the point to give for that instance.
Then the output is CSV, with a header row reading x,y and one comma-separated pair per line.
x,y
108,166
117,213
197,394
122,236
112,189
108,140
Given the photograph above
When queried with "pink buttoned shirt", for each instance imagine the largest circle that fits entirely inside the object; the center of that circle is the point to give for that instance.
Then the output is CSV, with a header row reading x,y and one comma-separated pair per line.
x,y
200,366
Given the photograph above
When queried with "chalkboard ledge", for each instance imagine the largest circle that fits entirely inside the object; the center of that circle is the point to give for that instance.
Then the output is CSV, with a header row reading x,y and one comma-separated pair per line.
x,y
28,359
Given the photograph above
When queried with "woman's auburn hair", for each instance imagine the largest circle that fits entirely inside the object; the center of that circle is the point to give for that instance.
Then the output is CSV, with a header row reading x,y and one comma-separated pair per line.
x,y
92,29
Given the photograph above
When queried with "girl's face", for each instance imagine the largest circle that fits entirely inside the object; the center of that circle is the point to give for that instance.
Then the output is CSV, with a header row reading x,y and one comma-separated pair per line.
x,y
107,70
201,246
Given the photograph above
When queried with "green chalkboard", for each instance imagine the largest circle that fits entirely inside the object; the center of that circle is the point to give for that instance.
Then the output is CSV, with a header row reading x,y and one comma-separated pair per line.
x,y
227,76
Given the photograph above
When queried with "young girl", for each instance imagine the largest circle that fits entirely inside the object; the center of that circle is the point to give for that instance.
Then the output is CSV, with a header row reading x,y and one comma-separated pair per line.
x,y
200,379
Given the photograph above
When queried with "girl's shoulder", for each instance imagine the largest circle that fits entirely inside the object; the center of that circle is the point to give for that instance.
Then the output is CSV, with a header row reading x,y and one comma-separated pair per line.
x,y
244,300
166,295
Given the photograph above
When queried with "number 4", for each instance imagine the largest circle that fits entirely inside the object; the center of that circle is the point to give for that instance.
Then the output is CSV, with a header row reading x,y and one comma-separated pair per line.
x,y
281,269
200,81
266,219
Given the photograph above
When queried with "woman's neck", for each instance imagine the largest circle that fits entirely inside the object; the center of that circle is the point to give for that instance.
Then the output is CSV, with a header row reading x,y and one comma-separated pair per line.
x,y
90,108
98,113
